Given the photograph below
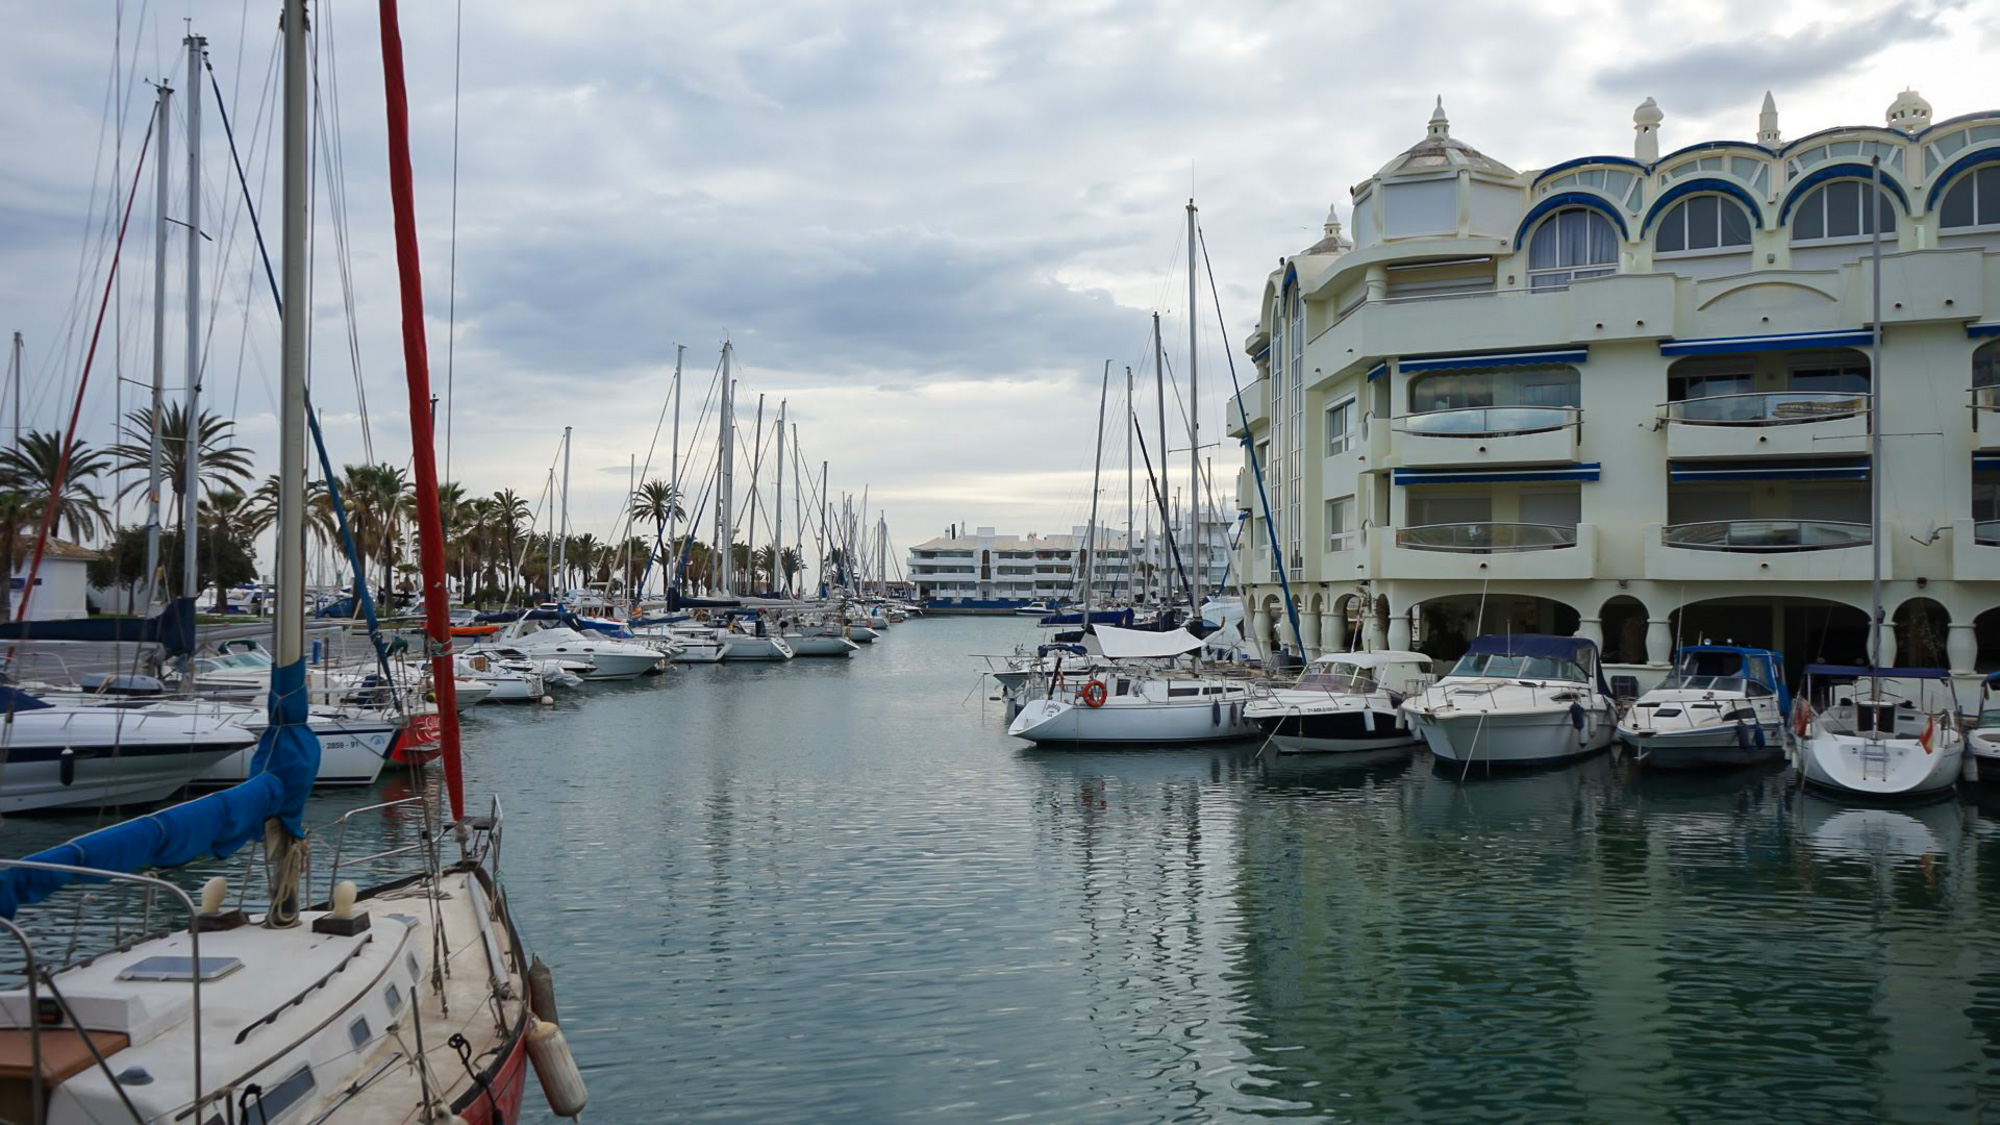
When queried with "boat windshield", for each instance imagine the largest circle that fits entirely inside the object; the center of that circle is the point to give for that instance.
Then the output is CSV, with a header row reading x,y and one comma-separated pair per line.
x,y
1989,717
1728,685
253,661
1337,677
1501,666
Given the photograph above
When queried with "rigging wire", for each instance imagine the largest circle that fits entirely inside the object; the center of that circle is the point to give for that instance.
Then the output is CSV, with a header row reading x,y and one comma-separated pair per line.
x,y
451,284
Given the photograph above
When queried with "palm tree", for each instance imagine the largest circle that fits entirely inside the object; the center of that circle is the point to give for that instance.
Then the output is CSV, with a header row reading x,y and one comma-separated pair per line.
x,y
229,514
788,560
32,467
373,496
510,511
223,462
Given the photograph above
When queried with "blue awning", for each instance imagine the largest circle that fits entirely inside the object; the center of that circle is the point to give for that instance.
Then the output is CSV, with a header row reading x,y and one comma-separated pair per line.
x,y
1590,470
1986,462
1780,342
1377,371
1984,328
1778,468
1494,359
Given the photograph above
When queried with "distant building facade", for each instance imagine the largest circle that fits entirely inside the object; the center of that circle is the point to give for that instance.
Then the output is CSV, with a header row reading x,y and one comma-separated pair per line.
x,y
986,572
1629,398
62,585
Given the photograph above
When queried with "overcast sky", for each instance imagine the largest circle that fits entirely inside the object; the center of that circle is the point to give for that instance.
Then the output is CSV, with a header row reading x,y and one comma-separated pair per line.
x,y
927,226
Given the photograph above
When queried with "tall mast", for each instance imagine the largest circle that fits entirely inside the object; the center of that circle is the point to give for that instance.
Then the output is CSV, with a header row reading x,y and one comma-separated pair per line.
x,y
756,471
1131,572
289,626
191,494
778,512
416,366
562,525
1166,528
154,453
823,532
1874,214
1194,433
726,458
1087,560
674,475
14,376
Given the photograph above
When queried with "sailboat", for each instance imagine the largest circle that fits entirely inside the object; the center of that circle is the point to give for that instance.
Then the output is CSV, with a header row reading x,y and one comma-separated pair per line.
x,y
408,1001
1869,734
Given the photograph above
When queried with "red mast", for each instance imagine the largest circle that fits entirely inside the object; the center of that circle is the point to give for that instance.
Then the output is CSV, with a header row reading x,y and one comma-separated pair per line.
x,y
416,361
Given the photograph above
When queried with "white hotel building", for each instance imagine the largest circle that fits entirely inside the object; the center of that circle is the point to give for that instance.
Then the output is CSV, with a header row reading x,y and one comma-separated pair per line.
x,y
1628,398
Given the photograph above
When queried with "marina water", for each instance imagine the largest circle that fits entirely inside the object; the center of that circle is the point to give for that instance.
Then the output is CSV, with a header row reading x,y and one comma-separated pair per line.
x,y
836,890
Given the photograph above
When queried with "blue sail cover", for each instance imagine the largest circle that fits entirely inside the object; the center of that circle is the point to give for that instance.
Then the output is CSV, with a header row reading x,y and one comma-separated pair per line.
x,y
172,630
281,776
1118,617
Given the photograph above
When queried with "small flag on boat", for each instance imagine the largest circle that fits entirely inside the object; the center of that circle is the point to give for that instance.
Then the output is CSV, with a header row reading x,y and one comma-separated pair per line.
x,y
1801,718
1930,731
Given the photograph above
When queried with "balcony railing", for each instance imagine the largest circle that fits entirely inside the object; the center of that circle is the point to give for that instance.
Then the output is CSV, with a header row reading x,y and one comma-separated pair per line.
x,y
1486,538
1489,421
1986,533
1765,535
1775,408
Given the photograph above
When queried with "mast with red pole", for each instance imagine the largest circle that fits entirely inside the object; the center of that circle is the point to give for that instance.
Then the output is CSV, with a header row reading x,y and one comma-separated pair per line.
x,y
416,361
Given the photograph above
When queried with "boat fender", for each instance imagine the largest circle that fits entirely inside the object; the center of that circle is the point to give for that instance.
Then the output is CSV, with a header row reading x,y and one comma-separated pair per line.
x,y
68,767
1742,738
562,1082
1215,713
1576,715
541,990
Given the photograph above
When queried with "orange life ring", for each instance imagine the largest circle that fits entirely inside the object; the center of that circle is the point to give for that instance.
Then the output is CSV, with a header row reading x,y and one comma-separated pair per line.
x,y
1092,694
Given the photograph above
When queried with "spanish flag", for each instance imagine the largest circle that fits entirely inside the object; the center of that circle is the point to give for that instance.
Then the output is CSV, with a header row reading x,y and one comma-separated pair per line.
x,y
1930,730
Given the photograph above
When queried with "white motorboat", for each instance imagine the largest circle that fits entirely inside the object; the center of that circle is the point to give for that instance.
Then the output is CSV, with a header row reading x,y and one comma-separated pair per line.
x,y
609,659
1142,697
1344,702
354,744
78,754
692,642
1524,699
1876,734
1723,706
511,681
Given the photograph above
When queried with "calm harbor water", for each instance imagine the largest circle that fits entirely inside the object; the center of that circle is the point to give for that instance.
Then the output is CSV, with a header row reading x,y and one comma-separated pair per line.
x,y
838,891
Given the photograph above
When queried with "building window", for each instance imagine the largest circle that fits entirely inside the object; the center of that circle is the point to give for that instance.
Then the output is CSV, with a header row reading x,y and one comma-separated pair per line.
x,y
1985,495
1704,223
1506,386
1974,201
1836,211
1570,245
1339,426
1340,524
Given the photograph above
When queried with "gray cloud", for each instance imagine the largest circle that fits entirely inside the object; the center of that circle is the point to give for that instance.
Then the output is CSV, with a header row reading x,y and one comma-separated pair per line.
x,y
1709,76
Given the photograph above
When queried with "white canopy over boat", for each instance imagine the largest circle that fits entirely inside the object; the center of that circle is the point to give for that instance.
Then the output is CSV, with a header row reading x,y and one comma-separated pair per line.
x,y
1143,644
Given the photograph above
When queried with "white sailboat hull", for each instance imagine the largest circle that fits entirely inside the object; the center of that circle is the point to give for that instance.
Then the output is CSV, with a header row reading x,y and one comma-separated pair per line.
x,y
807,645
747,646
1049,720
1881,768
350,754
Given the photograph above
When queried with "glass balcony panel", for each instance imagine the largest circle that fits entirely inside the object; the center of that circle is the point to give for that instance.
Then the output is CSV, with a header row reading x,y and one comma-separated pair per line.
x,y
1765,535
1986,533
1776,408
1490,421
1486,538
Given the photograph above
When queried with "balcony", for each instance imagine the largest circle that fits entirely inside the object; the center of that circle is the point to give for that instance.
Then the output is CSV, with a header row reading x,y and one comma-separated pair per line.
x,y
1986,418
1975,550
1803,550
1488,550
1776,424
1490,435
1255,399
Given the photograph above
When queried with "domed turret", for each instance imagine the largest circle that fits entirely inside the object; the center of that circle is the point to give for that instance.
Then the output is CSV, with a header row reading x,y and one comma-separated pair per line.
x,y
1909,112
1646,125
1439,151
1334,242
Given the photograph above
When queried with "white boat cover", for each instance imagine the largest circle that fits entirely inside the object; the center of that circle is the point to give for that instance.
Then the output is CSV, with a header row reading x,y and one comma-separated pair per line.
x,y
1375,659
1143,644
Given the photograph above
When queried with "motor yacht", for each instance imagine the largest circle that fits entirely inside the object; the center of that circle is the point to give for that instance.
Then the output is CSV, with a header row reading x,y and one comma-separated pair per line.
x,y
1343,702
1722,706
1521,699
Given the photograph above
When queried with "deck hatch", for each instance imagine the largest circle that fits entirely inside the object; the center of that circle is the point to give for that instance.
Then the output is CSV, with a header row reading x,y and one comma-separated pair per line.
x,y
170,967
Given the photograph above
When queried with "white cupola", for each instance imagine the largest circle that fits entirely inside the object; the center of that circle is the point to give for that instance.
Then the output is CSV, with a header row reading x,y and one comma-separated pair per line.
x,y
1646,127
1440,124
1909,112
1767,123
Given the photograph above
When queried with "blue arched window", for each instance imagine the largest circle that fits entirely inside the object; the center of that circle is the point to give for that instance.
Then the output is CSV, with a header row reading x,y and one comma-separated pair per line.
x,y
1973,201
1711,223
1838,209
1570,245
